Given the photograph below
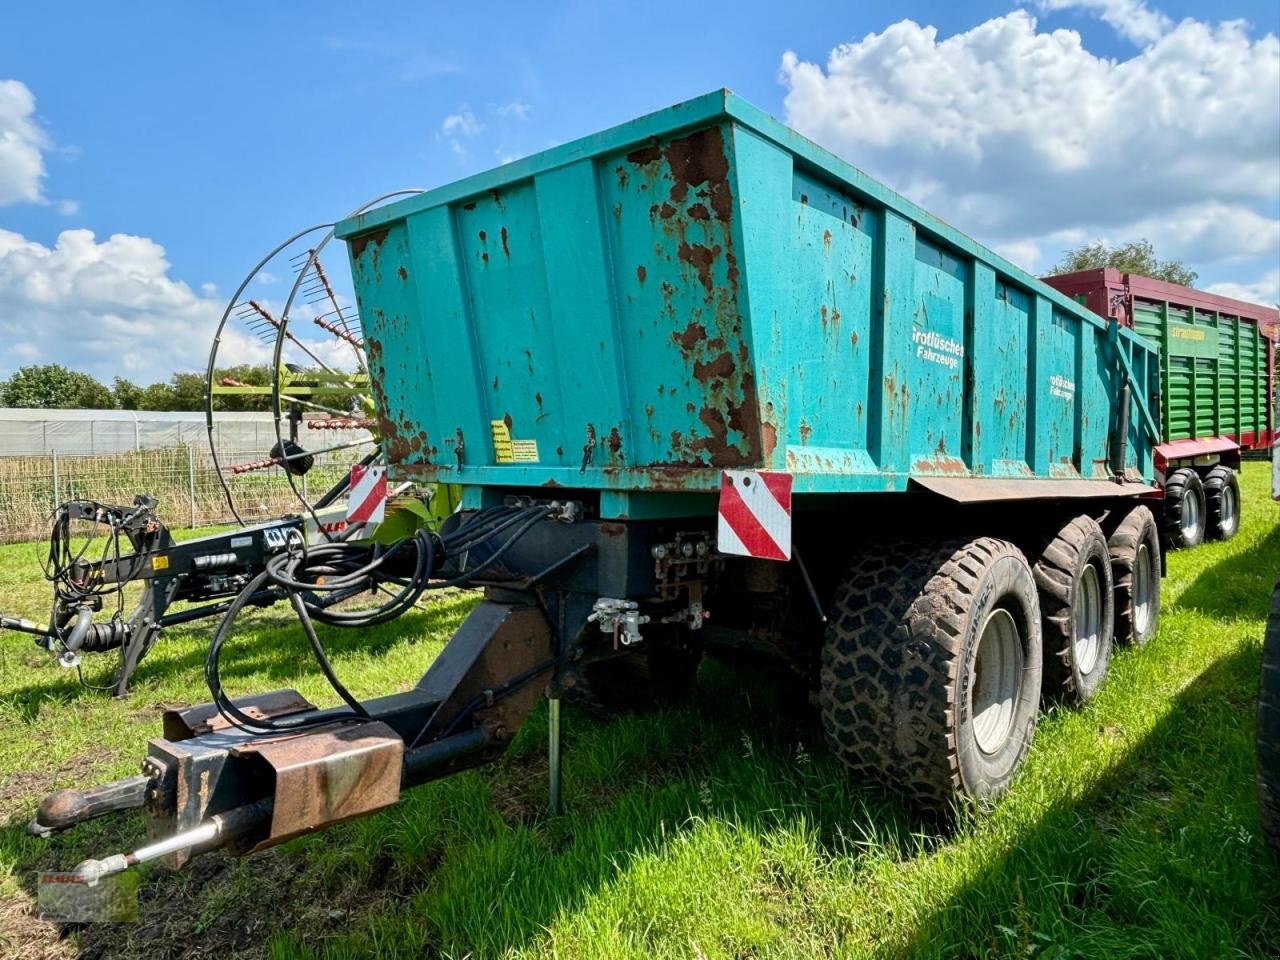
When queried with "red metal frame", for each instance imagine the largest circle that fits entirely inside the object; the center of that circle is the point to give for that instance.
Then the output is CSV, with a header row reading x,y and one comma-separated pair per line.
x,y
1110,293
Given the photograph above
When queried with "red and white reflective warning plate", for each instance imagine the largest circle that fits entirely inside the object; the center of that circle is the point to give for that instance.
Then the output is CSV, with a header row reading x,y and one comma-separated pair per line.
x,y
755,514
367,500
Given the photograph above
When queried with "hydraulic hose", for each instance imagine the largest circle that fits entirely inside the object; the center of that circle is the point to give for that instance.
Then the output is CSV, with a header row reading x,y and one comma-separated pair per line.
x,y
318,578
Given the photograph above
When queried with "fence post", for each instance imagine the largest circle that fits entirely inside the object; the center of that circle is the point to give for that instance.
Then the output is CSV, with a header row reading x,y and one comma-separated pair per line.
x,y
191,481
57,495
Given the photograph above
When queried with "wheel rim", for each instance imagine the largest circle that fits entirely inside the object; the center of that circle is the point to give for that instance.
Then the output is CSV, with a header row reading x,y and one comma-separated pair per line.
x,y
1228,515
1190,515
1086,617
1142,580
997,675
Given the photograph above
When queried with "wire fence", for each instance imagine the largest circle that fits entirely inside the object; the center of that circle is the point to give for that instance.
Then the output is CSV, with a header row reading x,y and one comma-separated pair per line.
x,y
182,478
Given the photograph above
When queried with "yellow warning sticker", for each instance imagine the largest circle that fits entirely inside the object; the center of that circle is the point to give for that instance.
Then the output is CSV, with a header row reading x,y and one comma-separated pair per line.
x,y
507,450
159,563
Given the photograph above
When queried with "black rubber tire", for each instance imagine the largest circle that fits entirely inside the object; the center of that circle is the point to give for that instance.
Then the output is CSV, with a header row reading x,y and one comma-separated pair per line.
x,y
1269,728
1221,487
898,667
1059,573
1136,530
1178,488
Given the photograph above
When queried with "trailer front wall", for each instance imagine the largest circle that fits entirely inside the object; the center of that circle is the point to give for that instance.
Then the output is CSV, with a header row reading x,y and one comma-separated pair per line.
x,y
703,289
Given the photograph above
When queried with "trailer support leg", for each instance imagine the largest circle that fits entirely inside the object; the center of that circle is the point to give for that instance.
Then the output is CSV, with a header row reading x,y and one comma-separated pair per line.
x,y
553,756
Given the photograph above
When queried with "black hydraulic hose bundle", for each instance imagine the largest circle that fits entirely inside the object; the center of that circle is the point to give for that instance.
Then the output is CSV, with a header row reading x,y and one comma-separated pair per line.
x,y
318,578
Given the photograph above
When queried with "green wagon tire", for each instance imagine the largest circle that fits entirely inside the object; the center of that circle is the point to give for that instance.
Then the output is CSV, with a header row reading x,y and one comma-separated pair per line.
x,y
1222,503
1184,509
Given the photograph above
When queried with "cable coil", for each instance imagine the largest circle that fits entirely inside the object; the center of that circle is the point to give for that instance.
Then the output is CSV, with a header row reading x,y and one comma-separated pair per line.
x,y
317,579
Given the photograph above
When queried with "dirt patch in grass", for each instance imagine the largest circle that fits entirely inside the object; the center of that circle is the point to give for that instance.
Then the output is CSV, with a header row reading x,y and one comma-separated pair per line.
x,y
217,907
22,790
24,936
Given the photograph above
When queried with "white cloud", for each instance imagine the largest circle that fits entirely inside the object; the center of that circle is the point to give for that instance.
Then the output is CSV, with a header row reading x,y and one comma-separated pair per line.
x,y
22,146
1030,142
460,126
112,308
68,208
1132,19
463,123
516,109
1265,290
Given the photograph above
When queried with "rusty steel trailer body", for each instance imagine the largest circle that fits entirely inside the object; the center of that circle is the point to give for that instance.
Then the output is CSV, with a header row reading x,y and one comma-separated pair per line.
x,y
1217,365
628,348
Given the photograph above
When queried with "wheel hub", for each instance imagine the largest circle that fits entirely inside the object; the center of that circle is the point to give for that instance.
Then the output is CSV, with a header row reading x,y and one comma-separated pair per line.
x,y
1228,515
1086,620
1142,584
1190,516
997,676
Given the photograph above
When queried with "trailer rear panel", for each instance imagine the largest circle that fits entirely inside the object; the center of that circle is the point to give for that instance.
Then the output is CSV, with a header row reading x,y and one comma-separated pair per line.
x,y
704,289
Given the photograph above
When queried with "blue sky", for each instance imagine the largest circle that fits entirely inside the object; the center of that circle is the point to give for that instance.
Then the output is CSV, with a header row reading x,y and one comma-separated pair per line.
x,y
211,131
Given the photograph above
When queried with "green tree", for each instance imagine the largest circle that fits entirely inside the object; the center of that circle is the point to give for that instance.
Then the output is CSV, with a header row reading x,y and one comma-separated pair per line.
x,y
188,391
158,396
1138,256
53,386
127,393
250,375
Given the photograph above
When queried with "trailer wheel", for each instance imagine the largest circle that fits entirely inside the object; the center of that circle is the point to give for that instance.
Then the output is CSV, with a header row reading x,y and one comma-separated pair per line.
x,y
1269,728
931,667
1222,503
1184,511
1077,608
1135,564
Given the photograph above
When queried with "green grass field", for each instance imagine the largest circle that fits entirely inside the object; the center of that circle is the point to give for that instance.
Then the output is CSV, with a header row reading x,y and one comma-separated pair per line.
x,y
720,829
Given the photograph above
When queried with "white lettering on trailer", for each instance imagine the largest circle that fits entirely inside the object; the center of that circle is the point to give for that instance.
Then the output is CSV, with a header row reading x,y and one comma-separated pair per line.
x,y
938,349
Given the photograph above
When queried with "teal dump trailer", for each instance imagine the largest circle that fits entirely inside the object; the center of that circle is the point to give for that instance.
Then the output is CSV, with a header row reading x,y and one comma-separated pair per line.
x,y
642,320
705,387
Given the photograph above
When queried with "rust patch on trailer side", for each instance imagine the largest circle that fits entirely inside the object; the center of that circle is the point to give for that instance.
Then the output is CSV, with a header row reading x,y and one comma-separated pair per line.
x,y
641,273
503,236
404,274
701,257
721,368
358,244
699,212
643,156
697,159
693,334
769,433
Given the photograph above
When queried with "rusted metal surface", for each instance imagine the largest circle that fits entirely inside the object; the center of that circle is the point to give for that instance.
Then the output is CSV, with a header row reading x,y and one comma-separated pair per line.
x,y
702,289
328,775
186,722
991,489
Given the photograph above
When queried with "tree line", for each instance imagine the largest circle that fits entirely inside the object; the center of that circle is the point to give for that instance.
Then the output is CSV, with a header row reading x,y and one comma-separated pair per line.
x,y
52,386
